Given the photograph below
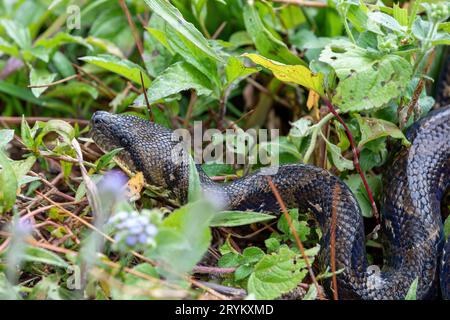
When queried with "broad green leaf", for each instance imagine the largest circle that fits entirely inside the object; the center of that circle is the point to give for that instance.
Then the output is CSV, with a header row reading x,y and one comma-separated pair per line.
x,y
235,69
445,26
105,45
26,95
122,67
173,17
373,128
178,77
400,14
265,42
73,89
6,135
367,81
41,255
62,38
161,36
195,187
238,218
356,185
386,21
301,227
8,183
105,159
447,227
20,34
193,55
40,77
291,73
62,128
21,167
182,239
339,161
412,291
8,48
275,275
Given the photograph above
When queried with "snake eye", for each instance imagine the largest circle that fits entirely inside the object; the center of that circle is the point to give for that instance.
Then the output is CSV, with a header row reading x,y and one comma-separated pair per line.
x,y
123,141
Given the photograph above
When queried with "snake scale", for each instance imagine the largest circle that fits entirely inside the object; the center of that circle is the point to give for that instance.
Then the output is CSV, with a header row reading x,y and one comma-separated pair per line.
x,y
413,240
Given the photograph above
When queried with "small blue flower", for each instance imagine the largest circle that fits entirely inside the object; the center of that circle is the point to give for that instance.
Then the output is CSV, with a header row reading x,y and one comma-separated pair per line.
x,y
133,230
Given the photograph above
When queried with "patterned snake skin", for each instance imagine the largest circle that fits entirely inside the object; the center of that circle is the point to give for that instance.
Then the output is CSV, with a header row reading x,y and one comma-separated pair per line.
x,y
412,226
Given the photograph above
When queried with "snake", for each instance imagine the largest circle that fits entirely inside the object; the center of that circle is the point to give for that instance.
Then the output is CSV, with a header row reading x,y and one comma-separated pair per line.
x,y
414,245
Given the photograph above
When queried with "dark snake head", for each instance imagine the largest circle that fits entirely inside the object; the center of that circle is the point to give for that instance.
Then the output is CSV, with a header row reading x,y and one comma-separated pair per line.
x,y
147,147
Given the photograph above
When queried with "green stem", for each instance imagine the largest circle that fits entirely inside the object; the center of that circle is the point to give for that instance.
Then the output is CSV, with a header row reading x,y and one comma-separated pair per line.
x,y
316,128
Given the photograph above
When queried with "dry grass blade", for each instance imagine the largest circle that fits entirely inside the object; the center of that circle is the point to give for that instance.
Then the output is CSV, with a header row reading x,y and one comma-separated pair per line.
x,y
294,232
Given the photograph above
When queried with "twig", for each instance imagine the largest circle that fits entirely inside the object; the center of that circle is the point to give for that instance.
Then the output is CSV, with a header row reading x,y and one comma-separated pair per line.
x,y
134,31
55,82
336,193
219,30
190,108
224,289
355,158
213,270
294,232
150,113
110,93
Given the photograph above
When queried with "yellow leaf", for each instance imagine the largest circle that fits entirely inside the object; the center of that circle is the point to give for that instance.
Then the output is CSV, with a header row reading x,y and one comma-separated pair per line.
x,y
291,73
313,102
135,185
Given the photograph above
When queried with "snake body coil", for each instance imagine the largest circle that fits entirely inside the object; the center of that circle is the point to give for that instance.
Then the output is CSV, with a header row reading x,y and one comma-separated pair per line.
x,y
411,225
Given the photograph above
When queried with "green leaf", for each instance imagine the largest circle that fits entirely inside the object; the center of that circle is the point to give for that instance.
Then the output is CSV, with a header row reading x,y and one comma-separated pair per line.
x,y
8,183
178,77
238,218
40,77
6,135
356,185
173,17
62,128
195,187
291,73
447,227
193,55
387,21
412,291
235,69
301,227
339,161
182,239
21,167
373,128
73,89
275,275
20,34
122,67
265,41
105,159
41,255
400,14
367,81
60,39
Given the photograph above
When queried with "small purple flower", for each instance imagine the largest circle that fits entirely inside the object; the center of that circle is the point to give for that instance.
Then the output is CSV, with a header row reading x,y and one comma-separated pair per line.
x,y
113,182
133,230
131,240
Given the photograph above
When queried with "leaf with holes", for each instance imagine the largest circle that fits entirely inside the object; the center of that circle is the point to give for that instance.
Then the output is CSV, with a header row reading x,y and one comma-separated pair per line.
x,y
291,73
367,80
